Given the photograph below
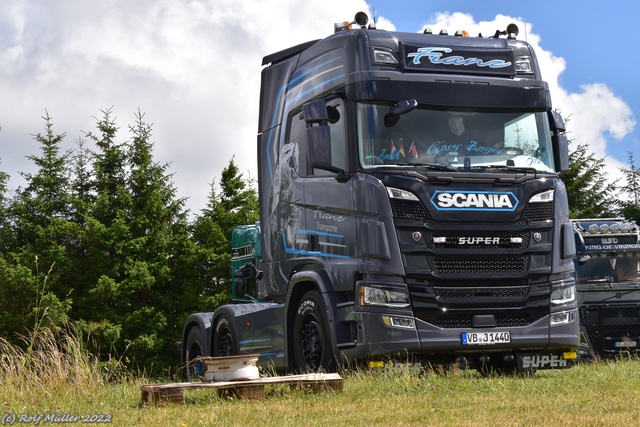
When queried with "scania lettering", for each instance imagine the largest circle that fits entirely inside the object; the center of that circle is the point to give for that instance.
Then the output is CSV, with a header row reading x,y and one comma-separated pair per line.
x,y
475,200
608,286
410,206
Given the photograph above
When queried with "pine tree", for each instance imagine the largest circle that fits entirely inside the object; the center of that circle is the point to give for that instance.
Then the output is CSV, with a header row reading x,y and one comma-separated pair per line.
x,y
37,262
236,204
590,193
6,232
105,233
82,195
158,228
630,207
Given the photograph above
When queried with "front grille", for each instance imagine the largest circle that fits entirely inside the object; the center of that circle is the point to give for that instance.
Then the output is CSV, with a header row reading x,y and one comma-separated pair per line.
x,y
476,268
464,321
502,292
612,320
538,212
608,324
479,264
408,209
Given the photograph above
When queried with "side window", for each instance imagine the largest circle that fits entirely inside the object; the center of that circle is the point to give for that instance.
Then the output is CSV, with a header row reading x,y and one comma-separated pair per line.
x,y
337,125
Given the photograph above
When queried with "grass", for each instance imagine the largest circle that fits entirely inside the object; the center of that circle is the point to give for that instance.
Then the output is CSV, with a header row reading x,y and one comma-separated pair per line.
x,y
54,375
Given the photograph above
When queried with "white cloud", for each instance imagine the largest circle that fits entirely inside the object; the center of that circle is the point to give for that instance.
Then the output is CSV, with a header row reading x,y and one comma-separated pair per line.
x,y
594,114
193,67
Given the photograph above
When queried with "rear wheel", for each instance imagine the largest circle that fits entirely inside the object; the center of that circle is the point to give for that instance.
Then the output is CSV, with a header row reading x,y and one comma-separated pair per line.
x,y
193,369
224,340
311,344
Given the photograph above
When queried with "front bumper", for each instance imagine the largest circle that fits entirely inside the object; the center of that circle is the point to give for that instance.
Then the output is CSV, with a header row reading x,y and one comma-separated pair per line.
x,y
537,345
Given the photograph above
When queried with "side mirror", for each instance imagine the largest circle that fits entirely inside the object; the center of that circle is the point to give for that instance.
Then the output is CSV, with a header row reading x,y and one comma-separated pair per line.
x,y
560,152
315,112
559,141
557,122
318,136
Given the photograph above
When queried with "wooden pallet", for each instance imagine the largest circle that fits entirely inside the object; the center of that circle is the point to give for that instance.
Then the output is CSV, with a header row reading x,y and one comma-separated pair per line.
x,y
246,389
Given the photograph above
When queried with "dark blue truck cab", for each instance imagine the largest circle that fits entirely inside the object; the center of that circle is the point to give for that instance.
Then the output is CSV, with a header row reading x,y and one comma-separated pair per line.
x,y
410,205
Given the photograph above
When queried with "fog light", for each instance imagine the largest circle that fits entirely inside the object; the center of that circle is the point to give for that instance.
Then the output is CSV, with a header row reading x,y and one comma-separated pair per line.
x,y
563,317
399,322
569,355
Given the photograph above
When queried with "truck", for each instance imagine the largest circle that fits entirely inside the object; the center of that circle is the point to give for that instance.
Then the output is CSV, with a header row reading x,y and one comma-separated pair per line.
x,y
410,207
608,287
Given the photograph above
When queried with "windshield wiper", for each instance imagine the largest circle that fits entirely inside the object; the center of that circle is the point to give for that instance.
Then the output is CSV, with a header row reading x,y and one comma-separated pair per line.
x,y
525,169
437,166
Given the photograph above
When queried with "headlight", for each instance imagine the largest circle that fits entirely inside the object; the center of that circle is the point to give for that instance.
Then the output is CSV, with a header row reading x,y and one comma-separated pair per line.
x,y
545,196
383,297
396,193
563,295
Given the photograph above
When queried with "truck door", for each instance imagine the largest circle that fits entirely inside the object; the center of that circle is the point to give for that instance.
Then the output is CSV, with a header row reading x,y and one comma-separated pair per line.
x,y
329,234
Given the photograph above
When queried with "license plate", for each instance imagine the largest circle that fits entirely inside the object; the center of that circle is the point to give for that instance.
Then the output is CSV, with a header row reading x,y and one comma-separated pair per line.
x,y
625,344
485,338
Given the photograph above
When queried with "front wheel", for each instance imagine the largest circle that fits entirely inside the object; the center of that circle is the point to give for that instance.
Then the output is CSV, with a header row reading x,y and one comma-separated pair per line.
x,y
311,343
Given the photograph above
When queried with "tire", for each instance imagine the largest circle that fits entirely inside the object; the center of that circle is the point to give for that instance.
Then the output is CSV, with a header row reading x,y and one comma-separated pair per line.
x,y
193,370
224,338
312,350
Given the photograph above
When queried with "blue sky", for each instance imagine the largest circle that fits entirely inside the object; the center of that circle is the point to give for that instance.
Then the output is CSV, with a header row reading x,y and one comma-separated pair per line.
x,y
193,68
597,43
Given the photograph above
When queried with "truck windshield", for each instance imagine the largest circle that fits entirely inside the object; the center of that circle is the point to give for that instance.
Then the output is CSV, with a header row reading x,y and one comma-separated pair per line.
x,y
596,269
460,139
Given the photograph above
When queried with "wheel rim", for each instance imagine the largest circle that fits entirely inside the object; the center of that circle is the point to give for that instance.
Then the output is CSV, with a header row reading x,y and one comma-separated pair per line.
x,y
198,366
226,343
311,343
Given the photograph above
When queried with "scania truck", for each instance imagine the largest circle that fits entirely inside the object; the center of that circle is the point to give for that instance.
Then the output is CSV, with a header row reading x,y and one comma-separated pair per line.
x,y
410,205
608,285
